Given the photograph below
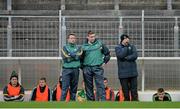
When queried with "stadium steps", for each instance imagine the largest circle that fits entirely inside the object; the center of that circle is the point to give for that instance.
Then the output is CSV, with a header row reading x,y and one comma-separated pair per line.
x,y
89,4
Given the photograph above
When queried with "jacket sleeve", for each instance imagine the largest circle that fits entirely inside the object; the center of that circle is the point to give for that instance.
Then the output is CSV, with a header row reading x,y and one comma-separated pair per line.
x,y
154,97
21,95
106,53
121,52
112,95
168,96
117,96
6,97
49,95
19,98
65,55
33,94
13,98
133,56
54,94
78,54
82,58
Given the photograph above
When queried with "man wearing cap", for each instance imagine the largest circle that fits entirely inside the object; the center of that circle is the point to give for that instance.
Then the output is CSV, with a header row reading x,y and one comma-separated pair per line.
x,y
71,63
127,69
95,55
13,91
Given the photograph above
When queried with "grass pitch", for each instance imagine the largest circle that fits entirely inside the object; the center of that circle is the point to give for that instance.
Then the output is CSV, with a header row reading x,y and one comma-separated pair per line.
x,y
89,104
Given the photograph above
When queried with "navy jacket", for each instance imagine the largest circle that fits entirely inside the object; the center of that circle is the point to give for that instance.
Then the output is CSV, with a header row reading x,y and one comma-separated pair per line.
x,y
126,60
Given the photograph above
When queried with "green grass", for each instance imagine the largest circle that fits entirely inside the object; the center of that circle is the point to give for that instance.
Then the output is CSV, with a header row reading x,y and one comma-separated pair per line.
x,y
90,105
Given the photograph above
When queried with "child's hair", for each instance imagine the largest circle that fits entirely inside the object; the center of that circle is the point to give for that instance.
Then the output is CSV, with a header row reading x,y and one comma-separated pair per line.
x,y
90,32
43,78
160,90
70,35
105,79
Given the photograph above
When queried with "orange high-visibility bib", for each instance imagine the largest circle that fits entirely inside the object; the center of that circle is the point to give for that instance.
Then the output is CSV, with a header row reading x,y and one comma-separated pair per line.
x,y
13,91
42,96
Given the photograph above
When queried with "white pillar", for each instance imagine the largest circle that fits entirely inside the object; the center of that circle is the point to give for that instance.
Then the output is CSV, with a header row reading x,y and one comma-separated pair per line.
x,y
9,5
63,7
116,4
169,4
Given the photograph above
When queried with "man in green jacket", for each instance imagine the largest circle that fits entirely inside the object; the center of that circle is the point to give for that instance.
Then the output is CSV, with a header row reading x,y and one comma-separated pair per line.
x,y
71,63
95,55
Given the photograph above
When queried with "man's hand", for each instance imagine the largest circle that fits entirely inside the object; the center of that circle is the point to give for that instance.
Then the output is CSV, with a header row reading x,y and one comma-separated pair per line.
x,y
72,54
103,65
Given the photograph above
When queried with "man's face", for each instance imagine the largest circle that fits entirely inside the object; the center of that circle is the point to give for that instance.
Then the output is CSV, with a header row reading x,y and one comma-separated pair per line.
x,y
91,38
105,83
14,81
72,39
125,41
42,83
161,95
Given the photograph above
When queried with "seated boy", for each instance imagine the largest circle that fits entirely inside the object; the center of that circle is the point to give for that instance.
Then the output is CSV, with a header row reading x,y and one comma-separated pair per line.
x,y
161,95
13,91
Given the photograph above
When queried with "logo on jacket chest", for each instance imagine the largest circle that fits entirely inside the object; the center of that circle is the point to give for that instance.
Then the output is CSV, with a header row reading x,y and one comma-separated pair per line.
x,y
129,48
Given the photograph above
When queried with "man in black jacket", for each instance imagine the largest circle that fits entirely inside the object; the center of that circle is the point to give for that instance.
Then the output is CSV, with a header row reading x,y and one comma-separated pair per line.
x,y
127,69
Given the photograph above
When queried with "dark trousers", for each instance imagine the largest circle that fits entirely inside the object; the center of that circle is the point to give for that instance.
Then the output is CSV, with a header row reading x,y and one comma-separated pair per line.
x,y
70,78
96,72
129,88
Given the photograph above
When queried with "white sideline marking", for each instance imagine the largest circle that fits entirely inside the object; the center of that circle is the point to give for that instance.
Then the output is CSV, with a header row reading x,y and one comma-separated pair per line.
x,y
90,108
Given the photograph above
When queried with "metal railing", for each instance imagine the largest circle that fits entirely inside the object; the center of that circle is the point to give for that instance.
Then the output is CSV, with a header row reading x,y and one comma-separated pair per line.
x,y
32,37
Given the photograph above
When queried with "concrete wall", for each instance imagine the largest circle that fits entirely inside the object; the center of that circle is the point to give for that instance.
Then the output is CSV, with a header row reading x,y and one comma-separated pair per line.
x,y
36,4
143,96
2,4
89,4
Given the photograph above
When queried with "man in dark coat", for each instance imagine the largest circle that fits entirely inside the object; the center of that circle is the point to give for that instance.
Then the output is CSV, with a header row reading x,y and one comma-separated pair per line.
x,y
127,69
